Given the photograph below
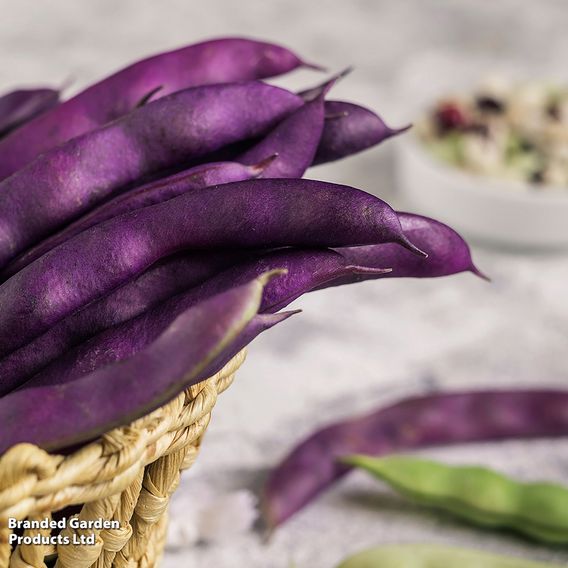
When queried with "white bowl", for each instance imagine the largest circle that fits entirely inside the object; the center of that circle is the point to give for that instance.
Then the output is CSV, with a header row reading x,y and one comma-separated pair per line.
x,y
494,211
500,212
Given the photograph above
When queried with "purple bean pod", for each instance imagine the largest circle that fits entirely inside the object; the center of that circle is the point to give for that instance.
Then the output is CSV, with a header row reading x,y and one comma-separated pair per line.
x,y
303,271
165,279
448,253
243,215
295,140
22,105
73,178
306,270
148,194
223,60
191,348
350,129
430,420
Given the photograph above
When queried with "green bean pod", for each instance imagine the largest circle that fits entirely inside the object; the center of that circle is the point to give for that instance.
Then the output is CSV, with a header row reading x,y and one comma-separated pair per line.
x,y
431,556
479,495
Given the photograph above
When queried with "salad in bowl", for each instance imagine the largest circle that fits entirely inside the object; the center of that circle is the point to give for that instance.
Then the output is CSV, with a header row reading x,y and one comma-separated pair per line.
x,y
487,156
504,130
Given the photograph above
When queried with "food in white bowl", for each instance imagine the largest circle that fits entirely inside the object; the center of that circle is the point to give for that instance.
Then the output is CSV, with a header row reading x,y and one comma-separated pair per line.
x,y
509,131
493,162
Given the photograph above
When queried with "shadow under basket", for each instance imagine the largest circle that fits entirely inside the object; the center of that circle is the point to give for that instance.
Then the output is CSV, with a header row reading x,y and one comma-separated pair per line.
x,y
126,475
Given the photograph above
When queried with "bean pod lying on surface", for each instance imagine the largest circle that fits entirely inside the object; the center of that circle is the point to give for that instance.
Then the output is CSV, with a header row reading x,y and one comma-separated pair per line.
x,y
70,179
250,214
217,61
193,347
18,107
430,420
148,194
432,556
476,494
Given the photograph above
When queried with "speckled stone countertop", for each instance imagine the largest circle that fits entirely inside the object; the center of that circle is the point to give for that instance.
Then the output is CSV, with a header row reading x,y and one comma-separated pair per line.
x,y
352,348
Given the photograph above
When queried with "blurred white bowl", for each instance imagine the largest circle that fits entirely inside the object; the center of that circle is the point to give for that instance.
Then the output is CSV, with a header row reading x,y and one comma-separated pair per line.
x,y
494,211
486,209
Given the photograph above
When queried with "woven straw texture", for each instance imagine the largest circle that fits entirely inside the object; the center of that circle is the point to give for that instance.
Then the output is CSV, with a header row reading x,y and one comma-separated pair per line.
x,y
126,475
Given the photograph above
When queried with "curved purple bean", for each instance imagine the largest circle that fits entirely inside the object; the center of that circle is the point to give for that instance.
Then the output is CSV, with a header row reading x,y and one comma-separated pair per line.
x,y
193,347
217,272
127,340
249,214
20,106
222,60
350,129
160,282
304,270
320,90
430,420
294,140
70,179
149,194
447,253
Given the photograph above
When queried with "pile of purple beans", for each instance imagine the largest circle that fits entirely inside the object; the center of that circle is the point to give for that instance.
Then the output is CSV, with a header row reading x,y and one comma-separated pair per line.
x,y
155,223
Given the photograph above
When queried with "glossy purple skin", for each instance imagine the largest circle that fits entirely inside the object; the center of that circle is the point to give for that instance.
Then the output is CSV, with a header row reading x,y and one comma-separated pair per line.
x,y
67,181
149,194
430,420
294,140
213,273
306,269
161,281
18,107
447,253
131,338
222,60
350,129
261,213
193,347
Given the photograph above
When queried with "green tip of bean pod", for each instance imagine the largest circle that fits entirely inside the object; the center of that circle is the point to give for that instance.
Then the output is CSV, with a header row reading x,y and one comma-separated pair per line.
x,y
266,277
432,556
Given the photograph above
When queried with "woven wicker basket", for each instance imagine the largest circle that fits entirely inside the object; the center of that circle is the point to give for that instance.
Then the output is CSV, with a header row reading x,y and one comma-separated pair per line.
x,y
127,475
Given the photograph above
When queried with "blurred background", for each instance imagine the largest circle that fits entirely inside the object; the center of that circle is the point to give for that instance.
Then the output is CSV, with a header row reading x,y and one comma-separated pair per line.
x,y
357,347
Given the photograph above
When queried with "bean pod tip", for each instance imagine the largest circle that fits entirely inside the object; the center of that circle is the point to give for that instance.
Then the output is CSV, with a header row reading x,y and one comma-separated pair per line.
x,y
258,168
404,241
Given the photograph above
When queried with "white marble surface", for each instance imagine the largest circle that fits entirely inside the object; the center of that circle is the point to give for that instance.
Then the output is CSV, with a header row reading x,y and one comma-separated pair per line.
x,y
356,347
